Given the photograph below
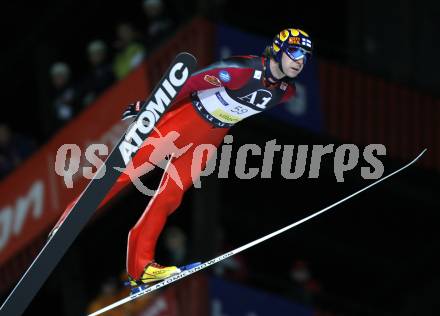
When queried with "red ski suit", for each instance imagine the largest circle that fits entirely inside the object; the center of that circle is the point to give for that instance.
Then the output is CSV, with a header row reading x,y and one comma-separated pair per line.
x,y
210,102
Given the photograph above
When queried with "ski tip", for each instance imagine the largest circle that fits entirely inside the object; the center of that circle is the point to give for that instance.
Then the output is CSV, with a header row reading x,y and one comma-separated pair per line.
x,y
420,155
186,54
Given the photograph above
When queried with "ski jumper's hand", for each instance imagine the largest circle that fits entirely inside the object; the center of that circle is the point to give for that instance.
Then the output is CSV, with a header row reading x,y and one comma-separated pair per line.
x,y
132,110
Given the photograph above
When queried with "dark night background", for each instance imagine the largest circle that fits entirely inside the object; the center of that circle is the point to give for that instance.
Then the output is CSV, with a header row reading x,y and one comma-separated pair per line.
x,y
374,255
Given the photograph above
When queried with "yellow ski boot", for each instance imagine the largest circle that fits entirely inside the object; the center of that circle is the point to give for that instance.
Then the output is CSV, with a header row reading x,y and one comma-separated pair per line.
x,y
154,272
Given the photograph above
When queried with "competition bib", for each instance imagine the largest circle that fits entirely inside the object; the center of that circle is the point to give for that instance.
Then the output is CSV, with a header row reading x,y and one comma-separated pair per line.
x,y
220,105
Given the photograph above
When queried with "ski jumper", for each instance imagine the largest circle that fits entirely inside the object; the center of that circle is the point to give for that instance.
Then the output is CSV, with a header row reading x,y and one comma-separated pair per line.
x,y
211,101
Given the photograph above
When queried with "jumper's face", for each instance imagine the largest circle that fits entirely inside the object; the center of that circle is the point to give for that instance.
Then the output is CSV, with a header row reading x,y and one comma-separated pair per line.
x,y
291,67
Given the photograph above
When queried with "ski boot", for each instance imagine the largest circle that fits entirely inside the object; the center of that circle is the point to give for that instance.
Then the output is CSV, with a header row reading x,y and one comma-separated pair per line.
x,y
154,272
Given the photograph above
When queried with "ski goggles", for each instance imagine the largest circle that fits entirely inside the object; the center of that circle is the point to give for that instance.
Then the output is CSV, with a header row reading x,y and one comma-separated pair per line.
x,y
297,53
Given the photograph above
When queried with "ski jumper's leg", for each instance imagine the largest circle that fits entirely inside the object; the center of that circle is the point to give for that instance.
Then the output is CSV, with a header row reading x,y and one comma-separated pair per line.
x,y
141,156
143,236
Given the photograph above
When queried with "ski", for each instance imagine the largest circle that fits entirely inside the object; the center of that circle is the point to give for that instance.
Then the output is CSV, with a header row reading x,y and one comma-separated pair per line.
x,y
198,267
151,112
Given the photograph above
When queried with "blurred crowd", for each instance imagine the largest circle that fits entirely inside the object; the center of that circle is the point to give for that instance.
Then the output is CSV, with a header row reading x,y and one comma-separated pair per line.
x,y
14,148
107,63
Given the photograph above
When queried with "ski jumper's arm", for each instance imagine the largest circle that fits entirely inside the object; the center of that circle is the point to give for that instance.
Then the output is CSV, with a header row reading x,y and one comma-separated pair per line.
x,y
238,69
